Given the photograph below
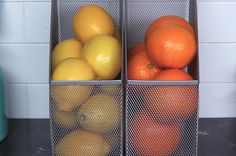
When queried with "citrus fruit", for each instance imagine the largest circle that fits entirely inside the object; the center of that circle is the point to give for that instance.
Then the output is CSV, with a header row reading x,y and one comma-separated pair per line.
x,y
66,49
140,67
100,114
171,46
173,75
171,103
82,143
103,53
67,98
64,119
90,21
137,48
150,138
169,19
73,69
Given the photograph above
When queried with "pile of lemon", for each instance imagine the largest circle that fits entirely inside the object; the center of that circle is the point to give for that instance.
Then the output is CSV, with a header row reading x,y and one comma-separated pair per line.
x,y
94,53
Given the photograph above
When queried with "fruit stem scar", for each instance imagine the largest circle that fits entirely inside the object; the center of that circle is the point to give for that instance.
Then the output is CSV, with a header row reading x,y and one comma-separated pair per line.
x,y
82,118
150,66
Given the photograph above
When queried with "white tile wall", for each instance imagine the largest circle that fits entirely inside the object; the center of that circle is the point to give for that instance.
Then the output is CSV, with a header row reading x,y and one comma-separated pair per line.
x,y
217,57
24,56
216,21
24,43
218,100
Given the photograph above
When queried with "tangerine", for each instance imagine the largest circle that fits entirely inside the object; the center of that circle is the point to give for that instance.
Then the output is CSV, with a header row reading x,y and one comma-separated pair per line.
x,y
171,46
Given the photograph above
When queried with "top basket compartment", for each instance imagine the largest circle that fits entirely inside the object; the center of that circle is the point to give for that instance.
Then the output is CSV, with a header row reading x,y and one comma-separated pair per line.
x,y
140,14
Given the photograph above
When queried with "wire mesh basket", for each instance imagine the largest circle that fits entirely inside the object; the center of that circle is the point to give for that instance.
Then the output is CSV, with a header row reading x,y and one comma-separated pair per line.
x,y
73,102
171,130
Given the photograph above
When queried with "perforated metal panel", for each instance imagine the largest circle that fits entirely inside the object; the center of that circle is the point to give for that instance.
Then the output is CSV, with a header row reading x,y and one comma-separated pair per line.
x,y
68,99
162,117
66,103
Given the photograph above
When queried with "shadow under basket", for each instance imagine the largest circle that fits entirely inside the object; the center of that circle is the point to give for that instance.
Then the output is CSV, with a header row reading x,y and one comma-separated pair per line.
x,y
68,132
161,116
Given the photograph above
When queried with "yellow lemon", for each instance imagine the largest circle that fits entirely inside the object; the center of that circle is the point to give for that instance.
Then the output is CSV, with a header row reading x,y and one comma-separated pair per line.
x,y
100,114
103,53
82,143
90,21
64,119
66,49
73,69
67,98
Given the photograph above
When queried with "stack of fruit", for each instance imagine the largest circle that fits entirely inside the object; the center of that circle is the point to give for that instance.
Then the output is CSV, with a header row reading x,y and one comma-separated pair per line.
x,y
170,45
90,114
94,53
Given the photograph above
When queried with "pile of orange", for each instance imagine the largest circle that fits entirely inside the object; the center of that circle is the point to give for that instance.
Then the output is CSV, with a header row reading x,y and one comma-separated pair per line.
x,y
170,46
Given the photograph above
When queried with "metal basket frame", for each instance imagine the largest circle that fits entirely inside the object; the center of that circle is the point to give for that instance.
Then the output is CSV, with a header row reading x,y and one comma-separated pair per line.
x,y
125,40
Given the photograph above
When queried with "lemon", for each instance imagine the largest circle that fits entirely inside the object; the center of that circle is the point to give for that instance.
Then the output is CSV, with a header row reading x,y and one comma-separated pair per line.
x,y
73,69
103,53
68,98
90,21
66,49
100,114
82,143
64,119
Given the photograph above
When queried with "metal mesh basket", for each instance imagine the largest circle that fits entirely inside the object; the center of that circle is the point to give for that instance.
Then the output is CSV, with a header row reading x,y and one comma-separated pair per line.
x,y
161,117
98,102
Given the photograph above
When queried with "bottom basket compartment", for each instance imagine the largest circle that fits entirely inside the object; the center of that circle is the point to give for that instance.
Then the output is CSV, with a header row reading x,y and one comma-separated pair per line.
x,y
162,120
86,119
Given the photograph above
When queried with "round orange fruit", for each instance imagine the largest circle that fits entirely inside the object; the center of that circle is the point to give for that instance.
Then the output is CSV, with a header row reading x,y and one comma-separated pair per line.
x,y
171,46
173,75
136,49
169,19
141,68
149,138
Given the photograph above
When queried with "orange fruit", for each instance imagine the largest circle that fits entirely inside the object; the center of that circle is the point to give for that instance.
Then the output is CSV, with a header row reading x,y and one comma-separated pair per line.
x,y
141,68
173,75
136,49
171,46
171,103
169,19
150,138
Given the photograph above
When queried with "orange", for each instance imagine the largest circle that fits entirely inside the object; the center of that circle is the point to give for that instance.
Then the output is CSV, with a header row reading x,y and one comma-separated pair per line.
x,y
150,138
173,75
136,49
171,103
171,46
141,68
169,19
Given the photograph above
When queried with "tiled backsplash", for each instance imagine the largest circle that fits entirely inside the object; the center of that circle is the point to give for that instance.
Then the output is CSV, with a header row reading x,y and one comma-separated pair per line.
x,y
24,55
